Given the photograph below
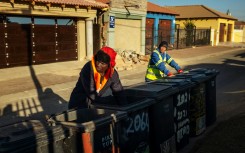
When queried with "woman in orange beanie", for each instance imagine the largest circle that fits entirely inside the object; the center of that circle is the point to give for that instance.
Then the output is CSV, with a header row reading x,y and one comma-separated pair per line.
x,y
98,82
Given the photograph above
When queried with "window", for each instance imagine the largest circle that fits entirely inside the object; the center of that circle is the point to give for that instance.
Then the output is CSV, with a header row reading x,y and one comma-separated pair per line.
x,y
44,21
19,20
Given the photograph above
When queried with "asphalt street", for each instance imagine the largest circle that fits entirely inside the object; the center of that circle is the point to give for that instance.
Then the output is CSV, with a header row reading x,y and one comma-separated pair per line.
x,y
39,90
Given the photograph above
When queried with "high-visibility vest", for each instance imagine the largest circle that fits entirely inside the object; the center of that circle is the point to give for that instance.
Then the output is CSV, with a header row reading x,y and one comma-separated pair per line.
x,y
153,72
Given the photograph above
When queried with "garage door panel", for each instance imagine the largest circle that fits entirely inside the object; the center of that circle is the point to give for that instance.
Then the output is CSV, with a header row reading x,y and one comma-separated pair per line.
x,y
67,47
45,43
66,56
44,58
2,35
2,47
66,43
43,34
18,40
2,57
17,59
67,38
66,32
18,28
18,44
44,48
17,49
44,29
66,52
44,40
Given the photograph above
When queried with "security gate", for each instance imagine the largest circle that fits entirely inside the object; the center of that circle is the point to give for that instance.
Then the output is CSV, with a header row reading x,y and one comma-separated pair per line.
x,y
185,38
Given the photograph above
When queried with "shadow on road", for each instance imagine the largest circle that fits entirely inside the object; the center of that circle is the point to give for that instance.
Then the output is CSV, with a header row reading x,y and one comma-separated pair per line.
x,y
47,102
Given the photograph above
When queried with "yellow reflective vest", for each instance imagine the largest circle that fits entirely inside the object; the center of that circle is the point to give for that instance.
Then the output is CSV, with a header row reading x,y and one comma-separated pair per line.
x,y
153,73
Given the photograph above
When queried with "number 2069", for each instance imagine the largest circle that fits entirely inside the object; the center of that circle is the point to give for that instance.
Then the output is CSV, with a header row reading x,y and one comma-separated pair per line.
x,y
138,123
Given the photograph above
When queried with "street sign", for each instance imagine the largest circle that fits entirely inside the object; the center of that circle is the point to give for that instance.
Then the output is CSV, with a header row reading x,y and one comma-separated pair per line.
x,y
112,21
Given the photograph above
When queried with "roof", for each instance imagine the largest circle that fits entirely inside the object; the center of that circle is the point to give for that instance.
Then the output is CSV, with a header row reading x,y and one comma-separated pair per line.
x,y
240,23
159,9
198,11
88,3
103,1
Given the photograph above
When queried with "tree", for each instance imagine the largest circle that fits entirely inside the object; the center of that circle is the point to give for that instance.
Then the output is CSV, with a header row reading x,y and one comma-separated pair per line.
x,y
190,32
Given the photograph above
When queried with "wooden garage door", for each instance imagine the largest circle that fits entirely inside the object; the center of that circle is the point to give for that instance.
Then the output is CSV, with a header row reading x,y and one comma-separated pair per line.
x,y
229,32
26,43
221,32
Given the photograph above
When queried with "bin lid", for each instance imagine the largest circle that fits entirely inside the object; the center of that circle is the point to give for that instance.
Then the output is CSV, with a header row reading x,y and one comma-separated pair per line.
x,y
180,82
86,120
29,134
150,90
193,76
206,71
137,103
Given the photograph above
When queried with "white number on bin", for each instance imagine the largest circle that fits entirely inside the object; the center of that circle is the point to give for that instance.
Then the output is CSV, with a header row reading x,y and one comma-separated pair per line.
x,y
181,132
139,123
182,98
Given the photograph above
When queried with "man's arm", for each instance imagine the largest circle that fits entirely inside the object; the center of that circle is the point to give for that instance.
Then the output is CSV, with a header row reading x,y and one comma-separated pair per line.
x,y
87,80
117,89
172,63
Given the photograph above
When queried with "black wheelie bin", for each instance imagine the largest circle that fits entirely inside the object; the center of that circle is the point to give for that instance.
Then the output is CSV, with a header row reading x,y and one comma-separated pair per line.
x,y
161,120
133,134
197,102
210,93
181,102
33,136
93,129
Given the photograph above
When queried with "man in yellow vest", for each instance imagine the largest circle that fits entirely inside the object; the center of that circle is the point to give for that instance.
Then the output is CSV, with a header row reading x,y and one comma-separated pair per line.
x,y
156,66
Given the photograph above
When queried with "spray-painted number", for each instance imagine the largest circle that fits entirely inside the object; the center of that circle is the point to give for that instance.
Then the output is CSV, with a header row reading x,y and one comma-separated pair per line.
x,y
140,122
182,114
182,132
182,98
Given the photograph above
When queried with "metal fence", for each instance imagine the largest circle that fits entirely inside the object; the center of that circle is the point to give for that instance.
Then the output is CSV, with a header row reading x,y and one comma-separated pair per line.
x,y
194,37
179,38
155,37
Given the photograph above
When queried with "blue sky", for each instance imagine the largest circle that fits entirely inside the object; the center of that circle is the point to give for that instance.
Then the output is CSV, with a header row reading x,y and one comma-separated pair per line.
x,y
236,7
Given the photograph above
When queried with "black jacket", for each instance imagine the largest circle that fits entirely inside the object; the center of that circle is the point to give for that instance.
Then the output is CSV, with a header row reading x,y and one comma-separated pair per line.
x,y
84,94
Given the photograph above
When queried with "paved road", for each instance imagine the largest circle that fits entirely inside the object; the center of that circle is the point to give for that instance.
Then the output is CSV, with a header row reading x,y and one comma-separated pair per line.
x,y
52,85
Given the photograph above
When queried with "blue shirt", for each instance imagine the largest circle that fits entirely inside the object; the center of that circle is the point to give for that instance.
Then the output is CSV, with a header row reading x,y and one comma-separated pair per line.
x,y
155,58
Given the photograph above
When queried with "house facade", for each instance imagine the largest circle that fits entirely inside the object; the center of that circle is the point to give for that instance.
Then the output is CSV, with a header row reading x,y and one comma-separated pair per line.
x,y
123,25
222,25
43,31
160,25
239,31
